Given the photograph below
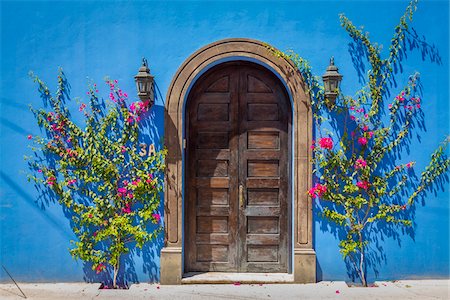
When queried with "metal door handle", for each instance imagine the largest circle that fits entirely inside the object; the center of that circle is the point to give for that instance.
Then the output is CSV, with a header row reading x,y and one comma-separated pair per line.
x,y
241,195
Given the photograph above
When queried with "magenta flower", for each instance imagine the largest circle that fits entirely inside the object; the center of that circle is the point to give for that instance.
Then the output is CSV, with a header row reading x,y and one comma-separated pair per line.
x,y
363,184
317,190
130,195
157,217
326,143
353,118
360,163
313,145
390,106
365,128
123,149
362,141
410,164
133,107
370,134
127,208
39,171
122,190
100,267
82,106
29,137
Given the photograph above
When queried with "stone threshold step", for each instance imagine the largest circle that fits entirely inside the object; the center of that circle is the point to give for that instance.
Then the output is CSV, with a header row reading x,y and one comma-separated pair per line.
x,y
225,277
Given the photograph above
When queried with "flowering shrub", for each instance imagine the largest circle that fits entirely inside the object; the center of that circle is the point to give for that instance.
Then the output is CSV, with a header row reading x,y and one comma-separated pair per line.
x,y
111,192
360,184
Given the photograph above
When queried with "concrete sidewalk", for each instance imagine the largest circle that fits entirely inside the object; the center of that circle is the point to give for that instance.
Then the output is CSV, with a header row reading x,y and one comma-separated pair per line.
x,y
399,290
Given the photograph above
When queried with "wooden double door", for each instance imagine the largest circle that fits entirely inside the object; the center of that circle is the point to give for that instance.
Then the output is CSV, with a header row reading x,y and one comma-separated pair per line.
x,y
237,213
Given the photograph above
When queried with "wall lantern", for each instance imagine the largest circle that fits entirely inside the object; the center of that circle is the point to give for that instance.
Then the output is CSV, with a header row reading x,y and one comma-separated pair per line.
x,y
144,84
331,80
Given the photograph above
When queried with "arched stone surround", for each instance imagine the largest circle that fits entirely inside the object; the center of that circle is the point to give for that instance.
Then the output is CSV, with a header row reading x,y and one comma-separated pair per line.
x,y
304,258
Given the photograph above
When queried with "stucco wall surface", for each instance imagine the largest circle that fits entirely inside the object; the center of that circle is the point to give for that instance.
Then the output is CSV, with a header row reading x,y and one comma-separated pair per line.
x,y
92,39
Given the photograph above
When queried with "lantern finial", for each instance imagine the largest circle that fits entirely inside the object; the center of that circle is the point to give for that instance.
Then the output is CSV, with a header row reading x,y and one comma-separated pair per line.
x,y
332,61
144,62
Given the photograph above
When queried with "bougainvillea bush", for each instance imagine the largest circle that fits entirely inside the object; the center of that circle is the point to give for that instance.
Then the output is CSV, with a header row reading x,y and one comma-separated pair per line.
x,y
360,183
95,171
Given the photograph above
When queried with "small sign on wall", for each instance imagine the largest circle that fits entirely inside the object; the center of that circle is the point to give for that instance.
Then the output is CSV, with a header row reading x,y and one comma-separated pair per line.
x,y
150,152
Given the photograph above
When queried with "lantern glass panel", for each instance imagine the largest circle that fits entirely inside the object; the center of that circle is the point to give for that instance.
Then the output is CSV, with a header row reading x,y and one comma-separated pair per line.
x,y
332,85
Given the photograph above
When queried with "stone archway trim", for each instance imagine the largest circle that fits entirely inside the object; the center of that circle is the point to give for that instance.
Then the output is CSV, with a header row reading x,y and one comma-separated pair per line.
x,y
304,259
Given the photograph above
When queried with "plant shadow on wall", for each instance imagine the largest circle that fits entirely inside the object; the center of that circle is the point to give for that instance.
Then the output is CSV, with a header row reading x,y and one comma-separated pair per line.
x,y
367,192
102,175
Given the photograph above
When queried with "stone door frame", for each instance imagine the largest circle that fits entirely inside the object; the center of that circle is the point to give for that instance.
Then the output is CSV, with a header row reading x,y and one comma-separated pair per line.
x,y
304,257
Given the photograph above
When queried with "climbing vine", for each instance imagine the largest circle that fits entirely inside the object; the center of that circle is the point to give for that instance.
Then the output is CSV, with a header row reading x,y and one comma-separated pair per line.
x,y
358,182
110,192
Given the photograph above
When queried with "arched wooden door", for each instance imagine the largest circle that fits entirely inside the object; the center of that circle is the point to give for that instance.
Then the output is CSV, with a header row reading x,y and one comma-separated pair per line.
x,y
237,214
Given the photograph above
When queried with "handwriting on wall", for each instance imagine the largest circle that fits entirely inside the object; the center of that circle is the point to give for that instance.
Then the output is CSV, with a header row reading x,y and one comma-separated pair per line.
x,y
147,150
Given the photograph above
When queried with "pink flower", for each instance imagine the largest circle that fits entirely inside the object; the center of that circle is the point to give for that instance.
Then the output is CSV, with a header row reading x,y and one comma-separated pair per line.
x,y
51,180
29,137
157,217
363,184
353,118
326,143
313,145
90,216
352,108
366,116
100,268
130,195
418,106
362,141
130,120
400,97
95,233
39,171
360,163
133,107
125,95
317,190
410,164
127,208
122,190
82,106
365,128
123,149
72,181
390,106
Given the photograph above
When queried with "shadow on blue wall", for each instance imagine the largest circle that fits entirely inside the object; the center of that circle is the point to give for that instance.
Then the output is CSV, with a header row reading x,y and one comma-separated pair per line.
x,y
151,132
378,232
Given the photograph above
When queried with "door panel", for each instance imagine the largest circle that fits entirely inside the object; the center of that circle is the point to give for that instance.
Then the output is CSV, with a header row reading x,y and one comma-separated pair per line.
x,y
263,147
237,209
211,173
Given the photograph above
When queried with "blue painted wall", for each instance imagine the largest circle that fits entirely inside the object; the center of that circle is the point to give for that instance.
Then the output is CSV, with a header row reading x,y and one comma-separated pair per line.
x,y
97,38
